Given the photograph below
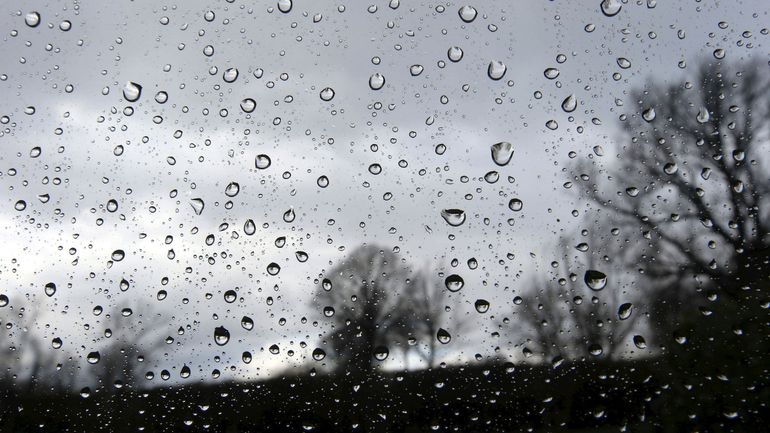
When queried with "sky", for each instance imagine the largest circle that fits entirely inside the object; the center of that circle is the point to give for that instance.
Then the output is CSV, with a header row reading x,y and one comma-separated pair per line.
x,y
154,158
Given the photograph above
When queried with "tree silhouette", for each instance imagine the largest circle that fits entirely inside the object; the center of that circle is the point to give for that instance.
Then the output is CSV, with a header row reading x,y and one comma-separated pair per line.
x,y
564,319
689,196
376,304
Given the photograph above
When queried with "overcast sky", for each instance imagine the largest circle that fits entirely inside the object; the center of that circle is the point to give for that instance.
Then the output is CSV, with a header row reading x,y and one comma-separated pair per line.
x,y
74,79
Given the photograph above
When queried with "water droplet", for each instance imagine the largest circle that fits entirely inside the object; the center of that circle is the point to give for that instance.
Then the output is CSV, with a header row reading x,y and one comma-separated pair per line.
x,y
502,153
454,283
301,256
230,296
625,310
289,215
632,191
132,91
443,336
4,300
595,349
56,343
416,70
515,204
703,115
93,357
569,104
247,323
230,75
595,280
65,25
639,342
322,181
284,6
249,227
610,8
496,69
551,73
492,176
273,268
328,311
467,13
274,349
455,54
232,189
670,168
482,305
375,169
50,289
381,353
248,105
319,354
649,114
221,335
118,255
262,161
719,53
32,19
552,125
327,94
376,81
20,205
624,63
453,217
197,205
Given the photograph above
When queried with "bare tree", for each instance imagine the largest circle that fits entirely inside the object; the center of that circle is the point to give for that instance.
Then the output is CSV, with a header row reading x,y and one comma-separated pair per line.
x,y
563,319
375,303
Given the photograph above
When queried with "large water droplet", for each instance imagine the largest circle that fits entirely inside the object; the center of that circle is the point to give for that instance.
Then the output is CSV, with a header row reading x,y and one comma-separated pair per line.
x,y
703,115
416,70
118,255
454,283
515,204
649,114
248,105
32,19
453,217
327,94
232,189
455,54
625,310
376,81
221,335
249,227
247,323
443,336
289,215
230,75
132,91
502,153
595,280
482,305
262,161
381,353
50,289
467,13
284,5
611,8
197,205
496,69
569,104
319,354
93,357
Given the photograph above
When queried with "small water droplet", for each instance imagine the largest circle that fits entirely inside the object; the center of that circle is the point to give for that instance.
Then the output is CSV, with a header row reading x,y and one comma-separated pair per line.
x,y
50,289
625,310
569,104
232,189
649,114
482,305
455,54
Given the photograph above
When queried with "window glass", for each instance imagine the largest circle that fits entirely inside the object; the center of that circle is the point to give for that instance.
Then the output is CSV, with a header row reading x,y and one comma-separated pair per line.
x,y
385,216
